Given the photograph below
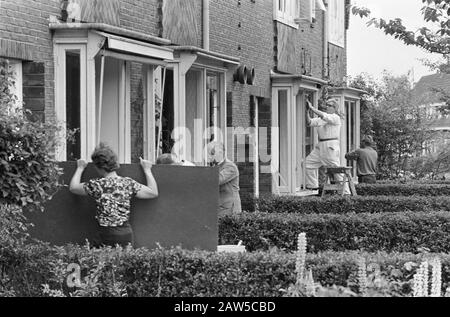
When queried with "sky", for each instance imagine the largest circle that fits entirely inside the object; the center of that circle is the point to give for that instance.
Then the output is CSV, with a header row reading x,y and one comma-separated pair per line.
x,y
371,51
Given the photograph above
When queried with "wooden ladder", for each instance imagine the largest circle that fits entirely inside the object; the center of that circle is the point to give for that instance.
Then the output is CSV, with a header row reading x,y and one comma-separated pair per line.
x,y
339,187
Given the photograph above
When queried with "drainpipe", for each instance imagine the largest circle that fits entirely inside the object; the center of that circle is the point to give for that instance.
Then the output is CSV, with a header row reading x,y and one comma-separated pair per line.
x,y
325,42
206,24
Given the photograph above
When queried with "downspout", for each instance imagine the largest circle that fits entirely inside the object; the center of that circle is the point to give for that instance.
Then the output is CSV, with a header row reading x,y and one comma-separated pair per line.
x,y
325,69
206,24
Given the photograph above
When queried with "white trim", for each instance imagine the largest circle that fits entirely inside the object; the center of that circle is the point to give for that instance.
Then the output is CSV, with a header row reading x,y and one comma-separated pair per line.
x,y
149,113
133,58
336,18
124,113
289,12
222,91
70,40
140,49
17,89
208,67
276,173
275,142
256,147
60,98
137,47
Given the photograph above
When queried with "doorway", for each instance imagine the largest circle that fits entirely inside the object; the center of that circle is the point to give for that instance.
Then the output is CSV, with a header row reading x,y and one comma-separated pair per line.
x,y
294,140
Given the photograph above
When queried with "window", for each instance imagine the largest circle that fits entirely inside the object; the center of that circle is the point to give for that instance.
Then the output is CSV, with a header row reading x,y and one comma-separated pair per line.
x,y
313,10
287,11
15,67
73,103
336,15
204,111
350,128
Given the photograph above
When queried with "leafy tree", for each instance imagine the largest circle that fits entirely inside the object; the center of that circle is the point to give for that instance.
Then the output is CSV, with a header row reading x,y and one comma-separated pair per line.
x,y
389,115
436,40
28,172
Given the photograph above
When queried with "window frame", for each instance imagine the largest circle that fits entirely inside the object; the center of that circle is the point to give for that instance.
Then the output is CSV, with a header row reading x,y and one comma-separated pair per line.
x,y
60,50
336,18
290,11
15,66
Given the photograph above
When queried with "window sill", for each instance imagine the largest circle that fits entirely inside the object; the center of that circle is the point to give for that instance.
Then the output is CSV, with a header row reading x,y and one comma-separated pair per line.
x,y
287,22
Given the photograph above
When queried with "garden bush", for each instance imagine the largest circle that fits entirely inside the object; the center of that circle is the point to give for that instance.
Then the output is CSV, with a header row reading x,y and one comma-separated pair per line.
x,y
343,205
176,272
28,172
389,232
408,189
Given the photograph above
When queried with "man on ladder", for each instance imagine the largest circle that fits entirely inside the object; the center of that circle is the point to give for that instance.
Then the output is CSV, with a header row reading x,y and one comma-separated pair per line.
x,y
327,151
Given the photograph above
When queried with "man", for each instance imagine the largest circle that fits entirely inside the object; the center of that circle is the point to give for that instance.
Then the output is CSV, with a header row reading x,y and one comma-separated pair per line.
x,y
229,199
366,161
327,151
166,159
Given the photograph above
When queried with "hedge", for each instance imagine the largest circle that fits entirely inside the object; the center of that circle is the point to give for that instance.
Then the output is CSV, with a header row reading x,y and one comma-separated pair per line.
x,y
413,189
342,205
177,272
389,232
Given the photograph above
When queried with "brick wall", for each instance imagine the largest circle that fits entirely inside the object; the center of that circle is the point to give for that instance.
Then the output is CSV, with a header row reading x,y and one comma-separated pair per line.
x,y
304,47
244,29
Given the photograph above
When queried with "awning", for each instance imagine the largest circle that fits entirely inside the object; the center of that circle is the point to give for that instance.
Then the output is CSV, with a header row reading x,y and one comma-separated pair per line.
x,y
209,57
348,91
296,77
122,43
129,49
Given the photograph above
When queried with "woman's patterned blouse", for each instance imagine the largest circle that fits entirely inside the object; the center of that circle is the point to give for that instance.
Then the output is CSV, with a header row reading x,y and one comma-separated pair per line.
x,y
112,196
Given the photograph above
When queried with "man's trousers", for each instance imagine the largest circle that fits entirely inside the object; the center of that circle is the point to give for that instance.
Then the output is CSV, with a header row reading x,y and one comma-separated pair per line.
x,y
324,154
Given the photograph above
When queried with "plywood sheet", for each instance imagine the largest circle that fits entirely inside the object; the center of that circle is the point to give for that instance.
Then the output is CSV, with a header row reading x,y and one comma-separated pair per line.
x,y
184,214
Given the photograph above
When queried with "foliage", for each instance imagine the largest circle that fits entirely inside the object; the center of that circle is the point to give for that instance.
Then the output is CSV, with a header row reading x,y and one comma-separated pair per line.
x,y
359,204
390,232
28,173
13,225
407,189
397,124
41,270
434,36
431,165
435,40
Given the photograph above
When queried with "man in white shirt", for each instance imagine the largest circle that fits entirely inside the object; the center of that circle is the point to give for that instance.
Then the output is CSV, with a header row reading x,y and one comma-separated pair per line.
x,y
327,151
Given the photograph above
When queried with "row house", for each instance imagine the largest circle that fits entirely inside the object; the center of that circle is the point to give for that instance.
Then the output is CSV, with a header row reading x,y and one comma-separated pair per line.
x,y
154,76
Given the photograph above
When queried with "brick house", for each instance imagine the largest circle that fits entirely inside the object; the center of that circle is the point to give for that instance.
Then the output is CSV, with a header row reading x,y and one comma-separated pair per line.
x,y
153,75
430,93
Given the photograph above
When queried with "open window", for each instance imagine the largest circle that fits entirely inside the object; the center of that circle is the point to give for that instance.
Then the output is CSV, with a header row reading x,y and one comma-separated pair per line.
x,y
105,91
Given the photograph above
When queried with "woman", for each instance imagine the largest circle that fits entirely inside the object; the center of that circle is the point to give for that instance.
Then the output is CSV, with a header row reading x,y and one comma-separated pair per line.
x,y
112,194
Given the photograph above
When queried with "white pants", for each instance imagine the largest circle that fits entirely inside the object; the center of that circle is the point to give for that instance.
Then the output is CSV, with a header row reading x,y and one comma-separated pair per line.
x,y
326,153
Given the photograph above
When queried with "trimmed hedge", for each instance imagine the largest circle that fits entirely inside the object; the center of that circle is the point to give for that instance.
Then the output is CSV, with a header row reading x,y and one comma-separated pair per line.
x,y
343,205
414,189
178,272
389,232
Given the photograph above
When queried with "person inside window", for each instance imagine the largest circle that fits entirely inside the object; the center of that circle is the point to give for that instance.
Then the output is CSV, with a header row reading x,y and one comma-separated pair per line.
x,y
112,194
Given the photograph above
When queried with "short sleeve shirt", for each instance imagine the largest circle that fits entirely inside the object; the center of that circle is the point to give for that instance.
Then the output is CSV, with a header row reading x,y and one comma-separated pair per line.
x,y
112,196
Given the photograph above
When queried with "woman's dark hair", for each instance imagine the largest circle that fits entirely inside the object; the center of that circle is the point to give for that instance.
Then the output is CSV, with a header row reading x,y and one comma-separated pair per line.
x,y
105,158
